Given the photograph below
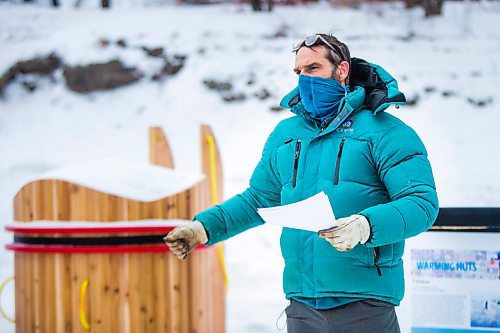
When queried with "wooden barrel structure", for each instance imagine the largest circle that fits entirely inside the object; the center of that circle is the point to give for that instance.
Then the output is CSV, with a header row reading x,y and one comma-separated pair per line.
x,y
89,261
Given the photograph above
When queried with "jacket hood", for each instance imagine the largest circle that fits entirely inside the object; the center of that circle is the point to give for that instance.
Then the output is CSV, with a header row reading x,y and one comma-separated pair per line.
x,y
372,88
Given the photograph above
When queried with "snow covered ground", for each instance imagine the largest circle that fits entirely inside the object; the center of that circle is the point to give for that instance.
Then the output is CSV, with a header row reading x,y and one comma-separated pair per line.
x,y
446,63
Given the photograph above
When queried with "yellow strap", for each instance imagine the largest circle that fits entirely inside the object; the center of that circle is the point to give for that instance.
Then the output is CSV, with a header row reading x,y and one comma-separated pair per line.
x,y
215,201
83,320
4,315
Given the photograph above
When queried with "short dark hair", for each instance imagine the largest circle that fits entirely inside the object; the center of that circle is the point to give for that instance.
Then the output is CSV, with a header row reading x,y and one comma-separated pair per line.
x,y
333,56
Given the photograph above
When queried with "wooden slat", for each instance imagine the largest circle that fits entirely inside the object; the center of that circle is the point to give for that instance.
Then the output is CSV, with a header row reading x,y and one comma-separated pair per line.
x,y
95,292
37,292
20,291
61,263
157,209
122,209
191,200
47,202
42,209
28,303
182,205
48,292
160,292
27,203
133,210
209,293
90,213
102,207
78,203
79,267
149,211
196,310
124,293
108,322
63,294
218,301
174,278
184,294
99,268
47,273
132,286
134,294
61,199
18,209
36,199
159,149
148,277
113,207
115,306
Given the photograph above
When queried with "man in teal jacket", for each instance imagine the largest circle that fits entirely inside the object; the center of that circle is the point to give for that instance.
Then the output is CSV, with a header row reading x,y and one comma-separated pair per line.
x,y
373,168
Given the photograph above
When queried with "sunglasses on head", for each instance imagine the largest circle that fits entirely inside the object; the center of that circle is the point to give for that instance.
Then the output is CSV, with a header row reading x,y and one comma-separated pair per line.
x,y
313,40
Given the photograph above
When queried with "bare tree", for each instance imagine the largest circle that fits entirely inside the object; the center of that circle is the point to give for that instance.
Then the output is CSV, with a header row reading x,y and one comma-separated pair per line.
x,y
431,7
257,5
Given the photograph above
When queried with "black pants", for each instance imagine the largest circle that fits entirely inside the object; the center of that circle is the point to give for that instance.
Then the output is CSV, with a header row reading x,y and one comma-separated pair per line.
x,y
366,316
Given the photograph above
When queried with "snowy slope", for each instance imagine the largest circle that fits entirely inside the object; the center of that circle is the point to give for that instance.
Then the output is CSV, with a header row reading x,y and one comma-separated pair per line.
x,y
456,54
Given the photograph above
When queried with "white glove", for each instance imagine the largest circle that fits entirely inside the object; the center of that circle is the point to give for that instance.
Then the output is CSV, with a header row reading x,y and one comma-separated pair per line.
x,y
183,240
348,233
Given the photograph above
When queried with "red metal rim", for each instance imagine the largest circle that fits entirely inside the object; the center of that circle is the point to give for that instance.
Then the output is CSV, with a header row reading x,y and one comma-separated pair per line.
x,y
92,249
89,230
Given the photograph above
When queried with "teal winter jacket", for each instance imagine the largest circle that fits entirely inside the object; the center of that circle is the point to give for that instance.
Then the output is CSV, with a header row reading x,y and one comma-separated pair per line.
x,y
368,162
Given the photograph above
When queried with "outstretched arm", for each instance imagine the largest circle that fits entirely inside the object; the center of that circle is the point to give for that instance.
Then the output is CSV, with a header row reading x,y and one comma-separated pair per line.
x,y
239,213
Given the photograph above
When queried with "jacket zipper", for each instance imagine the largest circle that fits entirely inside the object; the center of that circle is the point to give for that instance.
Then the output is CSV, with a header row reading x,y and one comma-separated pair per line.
x,y
337,164
296,162
375,260
321,127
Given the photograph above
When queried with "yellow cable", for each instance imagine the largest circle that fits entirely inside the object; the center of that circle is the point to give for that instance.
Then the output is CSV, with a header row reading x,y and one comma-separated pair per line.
x,y
215,201
220,249
83,320
6,317
213,174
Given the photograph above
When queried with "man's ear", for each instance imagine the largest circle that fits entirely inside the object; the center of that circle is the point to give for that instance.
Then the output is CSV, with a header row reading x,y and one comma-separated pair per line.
x,y
344,70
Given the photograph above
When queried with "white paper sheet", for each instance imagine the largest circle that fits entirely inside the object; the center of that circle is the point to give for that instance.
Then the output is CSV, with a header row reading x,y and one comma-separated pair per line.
x,y
312,214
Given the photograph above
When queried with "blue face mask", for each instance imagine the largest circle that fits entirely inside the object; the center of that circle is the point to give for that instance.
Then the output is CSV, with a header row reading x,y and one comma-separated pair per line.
x,y
321,97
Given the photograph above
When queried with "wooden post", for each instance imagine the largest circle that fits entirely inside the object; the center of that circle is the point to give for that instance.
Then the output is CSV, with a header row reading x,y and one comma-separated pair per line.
x,y
64,305
159,149
215,270
206,132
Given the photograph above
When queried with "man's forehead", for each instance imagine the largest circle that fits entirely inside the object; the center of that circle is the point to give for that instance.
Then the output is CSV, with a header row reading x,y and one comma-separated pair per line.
x,y
306,56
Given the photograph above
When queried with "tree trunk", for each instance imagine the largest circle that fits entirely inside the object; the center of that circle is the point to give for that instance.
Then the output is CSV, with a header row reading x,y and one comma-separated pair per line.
x,y
270,5
256,5
433,7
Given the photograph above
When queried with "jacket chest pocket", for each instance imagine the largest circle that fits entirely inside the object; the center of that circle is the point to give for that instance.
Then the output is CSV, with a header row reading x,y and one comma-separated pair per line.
x,y
288,156
332,168
336,171
349,160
